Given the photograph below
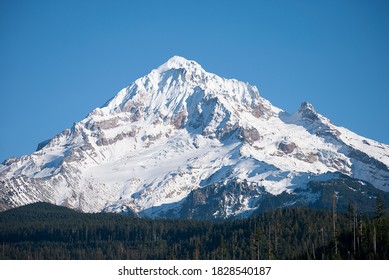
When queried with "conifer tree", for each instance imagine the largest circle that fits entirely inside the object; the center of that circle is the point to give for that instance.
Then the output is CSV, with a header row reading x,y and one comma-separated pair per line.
x,y
334,223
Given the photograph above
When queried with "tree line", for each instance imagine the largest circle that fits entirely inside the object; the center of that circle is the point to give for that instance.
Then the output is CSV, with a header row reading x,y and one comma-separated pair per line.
x,y
44,231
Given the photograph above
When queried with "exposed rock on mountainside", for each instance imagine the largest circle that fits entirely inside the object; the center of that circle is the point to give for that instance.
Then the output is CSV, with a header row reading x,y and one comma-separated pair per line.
x,y
179,136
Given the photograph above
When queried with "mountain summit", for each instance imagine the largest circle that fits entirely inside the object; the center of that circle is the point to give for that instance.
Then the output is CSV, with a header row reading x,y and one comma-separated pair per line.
x,y
180,141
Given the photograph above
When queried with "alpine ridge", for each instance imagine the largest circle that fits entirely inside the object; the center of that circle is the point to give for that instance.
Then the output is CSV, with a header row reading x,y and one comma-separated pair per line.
x,y
180,140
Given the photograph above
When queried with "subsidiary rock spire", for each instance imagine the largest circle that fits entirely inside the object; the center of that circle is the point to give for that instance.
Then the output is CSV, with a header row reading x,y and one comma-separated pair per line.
x,y
308,112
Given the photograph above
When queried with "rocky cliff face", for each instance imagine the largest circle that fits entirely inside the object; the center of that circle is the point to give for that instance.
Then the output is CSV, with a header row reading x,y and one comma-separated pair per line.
x,y
180,134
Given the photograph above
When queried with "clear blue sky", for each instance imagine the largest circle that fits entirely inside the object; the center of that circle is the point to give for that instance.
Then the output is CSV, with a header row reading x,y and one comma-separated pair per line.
x,y
61,59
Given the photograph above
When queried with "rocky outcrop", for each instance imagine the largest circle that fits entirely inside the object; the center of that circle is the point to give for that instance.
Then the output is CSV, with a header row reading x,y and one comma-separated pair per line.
x,y
103,141
179,120
101,125
310,157
287,147
366,159
222,200
250,135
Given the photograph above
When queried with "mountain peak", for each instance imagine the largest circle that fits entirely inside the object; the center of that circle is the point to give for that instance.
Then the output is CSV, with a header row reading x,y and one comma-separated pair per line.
x,y
177,62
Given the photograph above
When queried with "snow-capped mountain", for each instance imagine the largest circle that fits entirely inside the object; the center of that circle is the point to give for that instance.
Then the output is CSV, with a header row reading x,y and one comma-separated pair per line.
x,y
180,133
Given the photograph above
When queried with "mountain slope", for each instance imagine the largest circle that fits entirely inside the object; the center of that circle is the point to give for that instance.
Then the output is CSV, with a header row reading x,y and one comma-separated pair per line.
x,y
179,129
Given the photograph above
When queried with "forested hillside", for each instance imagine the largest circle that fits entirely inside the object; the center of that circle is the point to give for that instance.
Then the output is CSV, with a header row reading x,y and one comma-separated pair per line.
x,y
44,231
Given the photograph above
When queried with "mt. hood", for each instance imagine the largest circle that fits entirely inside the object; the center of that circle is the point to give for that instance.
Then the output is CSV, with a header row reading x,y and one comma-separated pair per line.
x,y
182,142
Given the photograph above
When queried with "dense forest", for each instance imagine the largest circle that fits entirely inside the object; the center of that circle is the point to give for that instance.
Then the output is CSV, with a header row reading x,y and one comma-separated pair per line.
x,y
44,231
